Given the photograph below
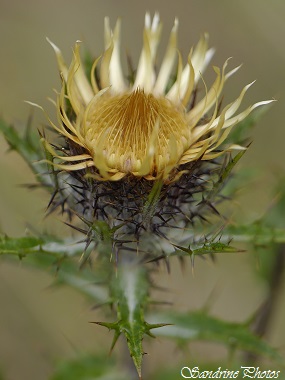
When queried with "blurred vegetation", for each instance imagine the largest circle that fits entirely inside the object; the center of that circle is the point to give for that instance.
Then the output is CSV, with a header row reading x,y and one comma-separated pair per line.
x,y
39,325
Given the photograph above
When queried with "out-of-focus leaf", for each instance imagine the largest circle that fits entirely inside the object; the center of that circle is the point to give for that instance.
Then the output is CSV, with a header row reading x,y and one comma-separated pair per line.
x,y
225,173
257,233
269,229
264,262
275,215
200,326
60,258
86,283
269,241
88,63
88,368
27,146
19,246
168,374
1,376
243,130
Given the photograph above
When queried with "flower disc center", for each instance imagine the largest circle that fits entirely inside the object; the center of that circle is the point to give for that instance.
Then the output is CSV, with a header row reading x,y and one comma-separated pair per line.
x,y
125,127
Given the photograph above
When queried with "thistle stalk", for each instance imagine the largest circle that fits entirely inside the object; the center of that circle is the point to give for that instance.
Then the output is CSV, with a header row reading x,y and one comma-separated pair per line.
x,y
129,293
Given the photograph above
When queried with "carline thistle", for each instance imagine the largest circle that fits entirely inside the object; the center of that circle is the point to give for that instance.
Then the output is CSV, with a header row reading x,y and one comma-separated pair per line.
x,y
135,152
136,160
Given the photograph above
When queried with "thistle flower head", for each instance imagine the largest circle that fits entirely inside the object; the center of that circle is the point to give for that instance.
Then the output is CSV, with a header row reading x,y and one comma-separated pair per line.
x,y
138,152
148,127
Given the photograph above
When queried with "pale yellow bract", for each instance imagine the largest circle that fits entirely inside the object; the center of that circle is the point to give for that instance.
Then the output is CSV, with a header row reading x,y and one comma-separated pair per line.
x,y
144,128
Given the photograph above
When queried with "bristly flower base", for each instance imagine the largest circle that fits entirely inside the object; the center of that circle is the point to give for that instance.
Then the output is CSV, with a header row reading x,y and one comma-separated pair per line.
x,y
135,207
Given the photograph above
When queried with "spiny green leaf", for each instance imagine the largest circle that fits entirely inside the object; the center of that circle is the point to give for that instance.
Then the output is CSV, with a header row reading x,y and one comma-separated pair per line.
x,y
214,247
200,326
201,247
205,249
129,293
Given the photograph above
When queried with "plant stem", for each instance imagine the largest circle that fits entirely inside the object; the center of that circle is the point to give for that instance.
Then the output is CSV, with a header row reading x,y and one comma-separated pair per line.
x,y
264,317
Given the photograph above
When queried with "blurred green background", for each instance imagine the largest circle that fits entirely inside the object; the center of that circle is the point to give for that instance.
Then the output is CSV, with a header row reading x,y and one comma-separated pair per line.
x,y
39,324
